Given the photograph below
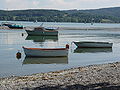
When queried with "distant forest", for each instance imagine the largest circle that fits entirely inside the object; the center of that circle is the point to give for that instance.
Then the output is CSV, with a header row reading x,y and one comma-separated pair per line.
x,y
104,15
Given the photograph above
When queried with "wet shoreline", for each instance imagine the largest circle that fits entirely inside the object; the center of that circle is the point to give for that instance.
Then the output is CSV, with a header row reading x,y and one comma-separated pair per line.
x,y
70,28
98,77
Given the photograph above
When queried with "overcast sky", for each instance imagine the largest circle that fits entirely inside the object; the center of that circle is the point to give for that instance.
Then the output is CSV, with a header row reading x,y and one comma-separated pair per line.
x,y
57,4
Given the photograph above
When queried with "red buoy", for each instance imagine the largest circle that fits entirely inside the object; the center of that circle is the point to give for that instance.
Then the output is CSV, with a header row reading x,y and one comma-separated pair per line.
x,y
67,46
18,55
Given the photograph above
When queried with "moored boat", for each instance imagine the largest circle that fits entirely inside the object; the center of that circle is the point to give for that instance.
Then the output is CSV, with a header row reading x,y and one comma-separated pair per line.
x,y
13,26
42,31
93,44
46,52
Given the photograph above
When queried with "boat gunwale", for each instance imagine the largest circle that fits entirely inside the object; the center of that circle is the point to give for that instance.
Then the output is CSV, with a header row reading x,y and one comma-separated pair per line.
x,y
94,47
45,56
95,42
46,49
42,30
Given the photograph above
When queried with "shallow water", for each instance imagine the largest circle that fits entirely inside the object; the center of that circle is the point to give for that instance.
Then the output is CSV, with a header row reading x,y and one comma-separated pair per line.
x,y
12,40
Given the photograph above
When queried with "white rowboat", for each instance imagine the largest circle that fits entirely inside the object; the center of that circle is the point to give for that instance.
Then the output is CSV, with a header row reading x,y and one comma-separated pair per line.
x,y
45,52
93,44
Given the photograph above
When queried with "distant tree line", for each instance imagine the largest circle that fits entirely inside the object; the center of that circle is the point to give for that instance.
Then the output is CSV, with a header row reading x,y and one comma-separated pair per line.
x,y
42,15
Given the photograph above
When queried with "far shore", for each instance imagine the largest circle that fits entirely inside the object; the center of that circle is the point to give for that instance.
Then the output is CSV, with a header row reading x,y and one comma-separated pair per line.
x,y
72,28
92,77
88,28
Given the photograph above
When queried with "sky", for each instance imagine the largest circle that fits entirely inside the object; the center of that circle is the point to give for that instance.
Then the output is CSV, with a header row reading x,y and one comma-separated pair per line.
x,y
57,4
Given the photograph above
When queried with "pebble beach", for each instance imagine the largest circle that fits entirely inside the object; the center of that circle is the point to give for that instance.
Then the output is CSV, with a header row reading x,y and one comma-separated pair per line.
x,y
92,77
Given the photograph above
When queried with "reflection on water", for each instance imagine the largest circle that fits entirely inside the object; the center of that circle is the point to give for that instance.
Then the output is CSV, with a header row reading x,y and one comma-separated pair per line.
x,y
12,41
92,50
42,38
42,41
47,60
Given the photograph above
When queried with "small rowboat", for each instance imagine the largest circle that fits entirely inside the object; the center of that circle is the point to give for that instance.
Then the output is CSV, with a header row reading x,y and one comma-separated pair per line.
x,y
93,44
42,31
13,26
46,52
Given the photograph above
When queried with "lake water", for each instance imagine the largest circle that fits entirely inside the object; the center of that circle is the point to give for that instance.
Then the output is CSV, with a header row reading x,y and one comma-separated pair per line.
x,y
12,40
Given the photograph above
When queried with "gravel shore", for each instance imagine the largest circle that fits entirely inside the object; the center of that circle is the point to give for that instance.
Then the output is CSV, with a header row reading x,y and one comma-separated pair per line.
x,y
92,77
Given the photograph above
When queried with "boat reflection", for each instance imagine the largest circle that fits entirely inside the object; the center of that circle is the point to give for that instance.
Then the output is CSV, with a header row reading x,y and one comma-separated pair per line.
x,y
42,38
92,50
48,60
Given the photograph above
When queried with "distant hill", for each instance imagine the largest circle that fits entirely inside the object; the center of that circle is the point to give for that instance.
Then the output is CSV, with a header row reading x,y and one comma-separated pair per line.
x,y
103,15
115,11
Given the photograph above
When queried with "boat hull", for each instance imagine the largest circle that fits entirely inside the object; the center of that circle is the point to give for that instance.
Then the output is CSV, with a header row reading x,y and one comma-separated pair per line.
x,y
93,44
14,26
36,52
42,32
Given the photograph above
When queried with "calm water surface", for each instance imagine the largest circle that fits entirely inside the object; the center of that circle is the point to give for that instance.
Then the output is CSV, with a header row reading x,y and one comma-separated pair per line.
x,y
12,41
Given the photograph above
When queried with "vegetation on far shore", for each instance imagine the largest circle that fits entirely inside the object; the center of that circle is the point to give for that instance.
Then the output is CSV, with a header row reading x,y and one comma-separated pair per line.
x,y
105,15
